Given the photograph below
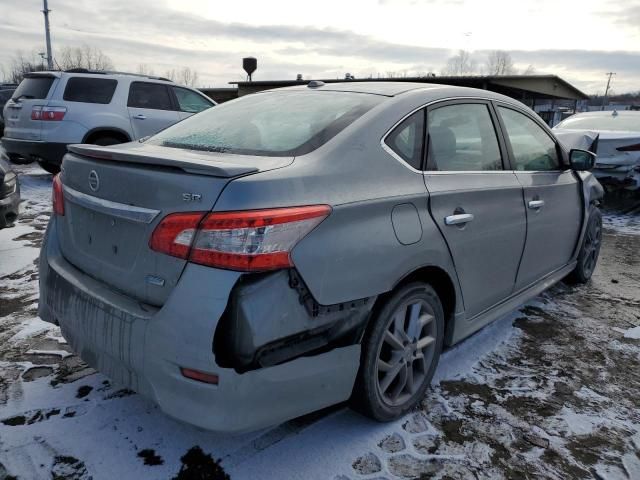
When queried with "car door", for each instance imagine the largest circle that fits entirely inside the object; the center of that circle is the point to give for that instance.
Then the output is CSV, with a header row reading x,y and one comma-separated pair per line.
x,y
475,201
151,108
552,196
190,102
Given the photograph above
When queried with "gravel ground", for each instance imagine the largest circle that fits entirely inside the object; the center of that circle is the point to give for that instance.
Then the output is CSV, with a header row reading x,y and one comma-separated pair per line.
x,y
551,391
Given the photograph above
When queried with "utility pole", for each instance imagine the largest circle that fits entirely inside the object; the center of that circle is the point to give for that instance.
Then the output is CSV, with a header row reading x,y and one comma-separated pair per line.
x,y
604,99
47,34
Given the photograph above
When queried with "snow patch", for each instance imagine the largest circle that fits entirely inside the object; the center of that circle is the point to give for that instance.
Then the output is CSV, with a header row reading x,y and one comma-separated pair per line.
x,y
633,333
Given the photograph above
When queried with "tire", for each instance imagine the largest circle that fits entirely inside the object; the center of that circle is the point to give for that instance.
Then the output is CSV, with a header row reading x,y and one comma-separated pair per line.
x,y
589,250
106,141
19,160
387,394
49,167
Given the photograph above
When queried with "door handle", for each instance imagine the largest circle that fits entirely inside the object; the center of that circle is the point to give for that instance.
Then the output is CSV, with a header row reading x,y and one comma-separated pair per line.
x,y
140,116
458,219
535,204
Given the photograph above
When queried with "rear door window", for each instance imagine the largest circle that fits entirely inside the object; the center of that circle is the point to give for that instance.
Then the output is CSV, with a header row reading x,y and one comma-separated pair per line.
x,y
154,96
462,137
190,101
90,90
407,139
36,87
533,149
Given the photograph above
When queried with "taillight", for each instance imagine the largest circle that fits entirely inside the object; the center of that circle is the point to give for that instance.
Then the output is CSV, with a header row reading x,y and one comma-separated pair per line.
x,y
174,234
248,241
51,114
630,148
57,196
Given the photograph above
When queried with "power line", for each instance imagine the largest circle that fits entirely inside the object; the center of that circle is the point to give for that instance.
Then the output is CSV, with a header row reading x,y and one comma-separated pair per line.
x,y
604,99
46,11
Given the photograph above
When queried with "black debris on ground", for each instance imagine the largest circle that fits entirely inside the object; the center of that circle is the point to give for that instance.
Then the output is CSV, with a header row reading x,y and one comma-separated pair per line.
x,y
83,391
197,465
150,457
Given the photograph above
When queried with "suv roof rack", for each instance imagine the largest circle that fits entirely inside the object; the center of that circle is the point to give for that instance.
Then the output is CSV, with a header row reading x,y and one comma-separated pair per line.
x,y
114,72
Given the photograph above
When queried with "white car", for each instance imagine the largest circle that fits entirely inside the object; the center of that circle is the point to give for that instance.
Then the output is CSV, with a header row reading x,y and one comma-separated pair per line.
x,y
50,110
618,148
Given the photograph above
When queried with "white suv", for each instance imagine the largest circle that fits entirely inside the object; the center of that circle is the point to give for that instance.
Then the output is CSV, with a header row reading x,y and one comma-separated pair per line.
x,y
50,110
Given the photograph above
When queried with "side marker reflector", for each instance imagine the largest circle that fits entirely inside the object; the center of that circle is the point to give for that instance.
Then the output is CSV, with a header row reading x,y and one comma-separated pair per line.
x,y
199,376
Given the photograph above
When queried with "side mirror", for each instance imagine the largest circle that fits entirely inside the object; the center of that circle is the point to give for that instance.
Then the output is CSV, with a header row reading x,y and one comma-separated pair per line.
x,y
581,160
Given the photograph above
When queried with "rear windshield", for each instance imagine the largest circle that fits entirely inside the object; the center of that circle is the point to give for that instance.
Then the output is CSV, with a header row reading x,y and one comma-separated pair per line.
x,y
34,87
618,122
270,124
89,90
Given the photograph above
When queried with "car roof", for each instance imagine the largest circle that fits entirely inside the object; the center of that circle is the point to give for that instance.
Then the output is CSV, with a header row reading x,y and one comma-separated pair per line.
x,y
82,72
388,89
393,89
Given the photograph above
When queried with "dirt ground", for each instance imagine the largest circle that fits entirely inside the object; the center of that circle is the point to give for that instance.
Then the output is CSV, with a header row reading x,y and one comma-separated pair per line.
x,y
552,391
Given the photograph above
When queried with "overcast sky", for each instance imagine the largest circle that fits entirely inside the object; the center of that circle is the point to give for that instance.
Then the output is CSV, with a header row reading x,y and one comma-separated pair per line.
x,y
579,40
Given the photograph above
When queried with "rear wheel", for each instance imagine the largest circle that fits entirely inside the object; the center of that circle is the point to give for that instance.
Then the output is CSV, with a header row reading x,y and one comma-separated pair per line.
x,y
400,352
49,167
105,141
590,250
19,160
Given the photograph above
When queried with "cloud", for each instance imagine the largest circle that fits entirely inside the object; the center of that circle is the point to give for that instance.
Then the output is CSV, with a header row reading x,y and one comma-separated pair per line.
x,y
627,15
145,31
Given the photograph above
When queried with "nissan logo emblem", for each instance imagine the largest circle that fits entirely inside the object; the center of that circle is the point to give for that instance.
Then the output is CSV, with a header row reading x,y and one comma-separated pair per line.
x,y
94,181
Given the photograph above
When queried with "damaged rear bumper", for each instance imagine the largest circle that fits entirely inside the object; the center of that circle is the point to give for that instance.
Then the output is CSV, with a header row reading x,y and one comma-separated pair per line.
x,y
143,348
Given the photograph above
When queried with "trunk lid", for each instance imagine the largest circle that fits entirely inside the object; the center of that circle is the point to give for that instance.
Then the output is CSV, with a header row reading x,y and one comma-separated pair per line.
x,y
116,196
34,90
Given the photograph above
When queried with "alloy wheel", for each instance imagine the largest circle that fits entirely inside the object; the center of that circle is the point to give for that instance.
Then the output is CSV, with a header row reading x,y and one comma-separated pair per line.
x,y
406,352
592,247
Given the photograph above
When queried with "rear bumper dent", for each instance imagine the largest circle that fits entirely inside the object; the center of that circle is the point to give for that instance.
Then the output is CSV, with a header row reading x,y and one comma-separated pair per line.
x,y
143,348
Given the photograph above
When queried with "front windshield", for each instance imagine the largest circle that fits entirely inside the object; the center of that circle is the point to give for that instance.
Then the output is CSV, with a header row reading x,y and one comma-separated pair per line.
x,y
270,124
628,123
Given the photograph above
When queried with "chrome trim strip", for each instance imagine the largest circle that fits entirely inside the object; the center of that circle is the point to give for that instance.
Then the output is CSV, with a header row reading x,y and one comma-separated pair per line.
x,y
119,210
468,172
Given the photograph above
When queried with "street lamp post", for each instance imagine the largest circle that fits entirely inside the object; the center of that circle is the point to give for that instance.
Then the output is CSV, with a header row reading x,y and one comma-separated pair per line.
x,y
46,11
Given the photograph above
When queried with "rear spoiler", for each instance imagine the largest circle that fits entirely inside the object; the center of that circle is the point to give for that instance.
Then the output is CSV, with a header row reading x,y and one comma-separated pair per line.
x,y
42,75
202,163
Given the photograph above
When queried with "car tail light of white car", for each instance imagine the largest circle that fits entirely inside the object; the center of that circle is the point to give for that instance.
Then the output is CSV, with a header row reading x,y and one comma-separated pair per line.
x,y
57,196
50,114
629,148
249,241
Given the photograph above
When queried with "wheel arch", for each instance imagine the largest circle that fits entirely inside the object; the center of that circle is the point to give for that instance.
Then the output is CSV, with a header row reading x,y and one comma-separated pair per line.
x,y
441,282
98,132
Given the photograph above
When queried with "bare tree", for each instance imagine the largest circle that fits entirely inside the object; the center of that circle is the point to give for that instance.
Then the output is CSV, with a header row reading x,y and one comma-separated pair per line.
x,y
499,62
530,70
144,69
85,56
22,64
184,76
461,64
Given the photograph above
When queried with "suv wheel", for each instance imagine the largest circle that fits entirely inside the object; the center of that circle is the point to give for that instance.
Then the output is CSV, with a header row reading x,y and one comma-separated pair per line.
x,y
590,249
49,167
400,352
105,141
19,160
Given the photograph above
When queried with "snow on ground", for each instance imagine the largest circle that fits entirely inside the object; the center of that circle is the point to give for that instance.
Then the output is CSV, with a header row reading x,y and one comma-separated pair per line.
x,y
550,391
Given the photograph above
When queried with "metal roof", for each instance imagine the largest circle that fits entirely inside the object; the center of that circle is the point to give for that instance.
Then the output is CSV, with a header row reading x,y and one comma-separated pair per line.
x,y
544,86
